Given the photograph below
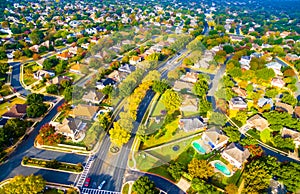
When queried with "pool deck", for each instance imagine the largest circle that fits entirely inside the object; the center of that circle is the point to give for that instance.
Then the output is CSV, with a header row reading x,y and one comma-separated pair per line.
x,y
203,145
217,170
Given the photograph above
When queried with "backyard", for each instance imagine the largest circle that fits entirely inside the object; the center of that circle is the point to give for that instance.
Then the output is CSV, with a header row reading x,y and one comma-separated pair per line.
x,y
10,103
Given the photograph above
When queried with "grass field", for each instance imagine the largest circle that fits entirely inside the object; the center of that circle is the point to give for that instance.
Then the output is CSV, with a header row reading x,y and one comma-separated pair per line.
x,y
158,108
6,105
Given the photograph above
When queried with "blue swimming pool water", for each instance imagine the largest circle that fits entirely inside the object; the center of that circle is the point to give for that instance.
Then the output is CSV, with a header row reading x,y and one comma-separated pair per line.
x,y
221,167
198,147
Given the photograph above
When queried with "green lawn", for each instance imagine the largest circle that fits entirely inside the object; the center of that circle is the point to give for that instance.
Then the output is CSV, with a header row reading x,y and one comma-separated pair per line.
x,y
189,114
74,76
158,108
145,162
152,126
162,171
6,105
28,71
265,136
125,189
5,90
167,153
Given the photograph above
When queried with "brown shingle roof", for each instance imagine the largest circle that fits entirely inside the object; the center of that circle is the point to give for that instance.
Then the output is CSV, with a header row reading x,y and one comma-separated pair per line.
x,y
17,111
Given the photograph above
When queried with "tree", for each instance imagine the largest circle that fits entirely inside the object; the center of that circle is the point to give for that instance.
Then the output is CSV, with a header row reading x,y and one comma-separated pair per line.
x,y
233,133
228,49
20,184
104,120
68,93
173,74
200,88
107,90
34,98
231,189
289,99
152,76
160,86
187,62
49,63
118,135
18,54
217,119
36,110
202,187
47,135
144,185
52,89
4,67
176,170
200,169
271,93
171,100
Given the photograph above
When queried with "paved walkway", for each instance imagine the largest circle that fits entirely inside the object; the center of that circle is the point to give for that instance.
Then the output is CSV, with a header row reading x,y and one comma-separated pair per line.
x,y
97,191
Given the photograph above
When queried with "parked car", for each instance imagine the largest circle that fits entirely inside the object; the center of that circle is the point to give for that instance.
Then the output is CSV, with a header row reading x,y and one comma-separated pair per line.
x,y
101,184
87,182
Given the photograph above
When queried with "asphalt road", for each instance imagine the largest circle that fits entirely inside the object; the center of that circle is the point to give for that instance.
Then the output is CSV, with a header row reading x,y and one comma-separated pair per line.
x,y
15,79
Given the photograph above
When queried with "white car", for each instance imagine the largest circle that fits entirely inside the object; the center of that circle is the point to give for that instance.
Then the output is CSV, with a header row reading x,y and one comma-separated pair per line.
x,y
101,185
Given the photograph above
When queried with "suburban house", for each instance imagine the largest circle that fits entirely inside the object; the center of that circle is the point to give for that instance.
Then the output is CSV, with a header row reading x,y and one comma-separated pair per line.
x,y
292,57
181,85
93,97
289,133
191,124
237,103
275,66
283,107
127,68
297,112
258,122
64,56
235,154
265,101
277,82
245,62
85,112
73,50
240,92
135,60
107,82
190,77
70,127
215,138
57,80
189,103
117,75
41,74
17,111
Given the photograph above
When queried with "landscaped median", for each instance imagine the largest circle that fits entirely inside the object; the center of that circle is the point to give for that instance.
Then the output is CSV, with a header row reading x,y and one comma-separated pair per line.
x,y
52,165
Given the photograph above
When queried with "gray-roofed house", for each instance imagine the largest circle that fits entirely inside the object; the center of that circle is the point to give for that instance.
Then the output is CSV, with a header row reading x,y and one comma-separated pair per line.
x,y
258,122
215,138
189,103
238,103
181,85
127,68
93,97
235,154
289,133
264,101
191,124
71,127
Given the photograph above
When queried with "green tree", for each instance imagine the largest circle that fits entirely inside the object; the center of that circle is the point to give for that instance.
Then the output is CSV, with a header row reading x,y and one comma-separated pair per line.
x,y
4,67
271,93
289,99
233,133
202,187
200,169
171,100
217,119
176,170
68,93
107,90
160,86
36,110
204,107
200,88
20,184
228,49
144,185
52,89
104,120
231,189
34,98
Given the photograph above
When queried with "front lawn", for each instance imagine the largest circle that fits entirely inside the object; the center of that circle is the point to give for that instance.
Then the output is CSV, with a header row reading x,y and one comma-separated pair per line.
x,y
10,103
159,108
75,77
146,162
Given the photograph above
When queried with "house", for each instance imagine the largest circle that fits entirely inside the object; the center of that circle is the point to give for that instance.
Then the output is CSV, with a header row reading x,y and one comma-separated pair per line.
x,y
297,111
240,92
235,154
64,56
73,50
245,62
3,122
237,103
277,82
102,83
181,85
127,68
264,101
191,124
117,75
17,111
275,66
41,74
135,60
70,127
292,57
93,97
189,103
258,122
284,34
215,138
289,133
190,77
34,48
85,112
283,107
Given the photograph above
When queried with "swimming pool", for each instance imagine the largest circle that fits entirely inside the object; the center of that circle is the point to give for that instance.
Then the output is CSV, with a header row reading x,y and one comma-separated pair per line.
x,y
198,147
222,168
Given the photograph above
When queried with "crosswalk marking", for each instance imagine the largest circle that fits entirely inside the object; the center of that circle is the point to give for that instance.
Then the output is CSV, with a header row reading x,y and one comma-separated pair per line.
x,y
97,191
86,169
